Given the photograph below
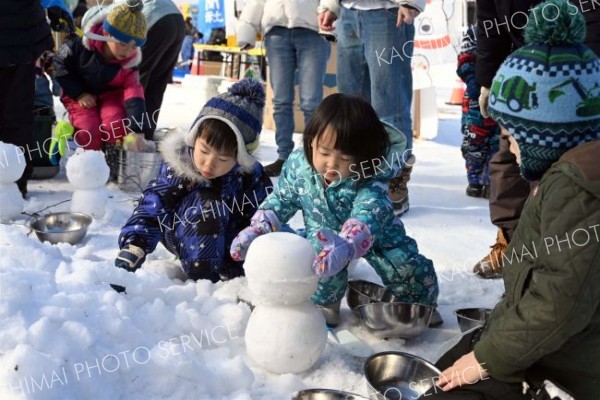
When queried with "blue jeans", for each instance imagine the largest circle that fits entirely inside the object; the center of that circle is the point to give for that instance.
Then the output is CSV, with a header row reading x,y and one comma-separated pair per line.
x,y
373,61
288,51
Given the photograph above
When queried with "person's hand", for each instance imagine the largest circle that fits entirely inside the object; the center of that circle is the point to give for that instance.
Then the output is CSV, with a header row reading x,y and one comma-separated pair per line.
x,y
354,241
87,100
60,20
406,15
130,258
484,95
263,221
465,371
326,20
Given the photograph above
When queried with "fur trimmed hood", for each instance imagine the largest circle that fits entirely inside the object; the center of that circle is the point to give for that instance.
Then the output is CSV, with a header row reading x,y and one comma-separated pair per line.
x,y
177,154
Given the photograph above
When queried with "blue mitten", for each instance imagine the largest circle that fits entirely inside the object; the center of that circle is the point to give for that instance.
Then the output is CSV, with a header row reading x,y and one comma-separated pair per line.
x,y
263,221
354,241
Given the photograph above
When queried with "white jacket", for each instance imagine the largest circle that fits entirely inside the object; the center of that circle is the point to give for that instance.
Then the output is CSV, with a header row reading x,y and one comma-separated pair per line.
x,y
267,14
290,14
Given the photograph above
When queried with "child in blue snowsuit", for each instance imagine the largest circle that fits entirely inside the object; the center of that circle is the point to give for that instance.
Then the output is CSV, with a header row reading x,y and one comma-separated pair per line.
x,y
339,181
480,135
208,188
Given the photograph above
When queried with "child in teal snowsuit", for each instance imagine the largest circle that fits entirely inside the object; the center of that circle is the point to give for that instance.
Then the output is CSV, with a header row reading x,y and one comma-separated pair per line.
x,y
340,182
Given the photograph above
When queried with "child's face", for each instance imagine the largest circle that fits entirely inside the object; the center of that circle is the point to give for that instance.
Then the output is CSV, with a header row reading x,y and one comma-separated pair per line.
x,y
120,50
210,163
329,162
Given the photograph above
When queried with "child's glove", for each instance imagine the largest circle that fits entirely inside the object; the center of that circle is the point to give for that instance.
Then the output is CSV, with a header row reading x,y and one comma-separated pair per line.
x,y
354,241
62,132
130,258
263,221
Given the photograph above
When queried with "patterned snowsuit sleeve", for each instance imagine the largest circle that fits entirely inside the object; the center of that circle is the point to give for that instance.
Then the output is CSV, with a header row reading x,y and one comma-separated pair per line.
x,y
285,199
257,187
466,63
145,228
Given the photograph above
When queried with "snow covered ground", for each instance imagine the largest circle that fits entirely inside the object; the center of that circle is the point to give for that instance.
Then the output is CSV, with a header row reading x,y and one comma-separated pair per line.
x,y
66,335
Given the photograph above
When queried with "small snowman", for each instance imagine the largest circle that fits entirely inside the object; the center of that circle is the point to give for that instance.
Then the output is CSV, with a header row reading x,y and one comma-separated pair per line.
x,y
12,165
88,172
286,333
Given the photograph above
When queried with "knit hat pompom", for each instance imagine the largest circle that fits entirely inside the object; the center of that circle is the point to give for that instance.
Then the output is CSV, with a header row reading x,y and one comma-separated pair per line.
x,y
135,5
251,89
555,23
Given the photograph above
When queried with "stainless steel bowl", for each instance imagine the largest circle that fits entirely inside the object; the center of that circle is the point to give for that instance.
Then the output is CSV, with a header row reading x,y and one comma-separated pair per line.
x,y
326,394
395,320
469,318
394,375
364,292
60,227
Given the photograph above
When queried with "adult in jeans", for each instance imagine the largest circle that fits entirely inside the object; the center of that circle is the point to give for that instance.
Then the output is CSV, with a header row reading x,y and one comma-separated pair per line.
x,y
293,46
375,47
166,30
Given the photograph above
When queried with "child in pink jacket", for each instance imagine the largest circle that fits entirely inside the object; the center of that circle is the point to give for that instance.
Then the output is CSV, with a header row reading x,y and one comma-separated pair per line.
x,y
100,83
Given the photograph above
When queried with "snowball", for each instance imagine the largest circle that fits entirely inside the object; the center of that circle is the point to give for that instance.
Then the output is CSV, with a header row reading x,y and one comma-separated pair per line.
x,y
11,202
279,269
87,169
12,162
286,339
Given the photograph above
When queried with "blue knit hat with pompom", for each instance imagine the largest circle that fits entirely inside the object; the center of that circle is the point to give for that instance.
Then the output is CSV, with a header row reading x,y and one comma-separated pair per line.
x,y
242,108
547,93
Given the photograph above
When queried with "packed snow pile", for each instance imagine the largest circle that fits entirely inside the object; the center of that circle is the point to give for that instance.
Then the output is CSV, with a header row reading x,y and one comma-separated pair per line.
x,y
66,335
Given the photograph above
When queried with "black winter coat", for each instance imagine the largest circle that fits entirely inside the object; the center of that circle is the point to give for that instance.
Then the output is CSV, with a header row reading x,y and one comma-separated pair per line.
x,y
24,32
497,38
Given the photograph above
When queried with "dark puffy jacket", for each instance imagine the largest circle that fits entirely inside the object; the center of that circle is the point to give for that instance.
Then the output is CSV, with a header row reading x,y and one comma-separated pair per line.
x,y
24,32
496,38
548,324
195,218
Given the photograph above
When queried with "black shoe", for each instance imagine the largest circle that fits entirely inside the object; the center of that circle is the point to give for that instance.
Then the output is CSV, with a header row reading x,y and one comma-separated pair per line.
x,y
474,190
486,192
275,168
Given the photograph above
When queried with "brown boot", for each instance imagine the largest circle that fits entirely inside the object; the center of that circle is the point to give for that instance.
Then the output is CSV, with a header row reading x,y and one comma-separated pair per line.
x,y
491,265
398,190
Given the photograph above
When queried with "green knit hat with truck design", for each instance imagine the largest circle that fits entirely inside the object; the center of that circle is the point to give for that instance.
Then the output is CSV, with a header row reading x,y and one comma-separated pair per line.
x,y
547,93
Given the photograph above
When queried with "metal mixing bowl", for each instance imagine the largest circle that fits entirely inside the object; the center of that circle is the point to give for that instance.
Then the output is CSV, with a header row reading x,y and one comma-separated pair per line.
x,y
395,320
394,375
469,318
326,394
364,292
60,227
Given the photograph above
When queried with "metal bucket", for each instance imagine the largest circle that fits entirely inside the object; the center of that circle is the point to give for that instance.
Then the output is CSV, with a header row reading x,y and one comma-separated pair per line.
x,y
136,169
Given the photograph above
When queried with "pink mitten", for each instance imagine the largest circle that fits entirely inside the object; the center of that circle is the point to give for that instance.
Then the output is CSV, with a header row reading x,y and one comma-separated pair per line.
x,y
354,241
263,221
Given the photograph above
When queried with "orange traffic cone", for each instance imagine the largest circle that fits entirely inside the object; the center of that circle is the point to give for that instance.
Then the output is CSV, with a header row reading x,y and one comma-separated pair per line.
x,y
458,92
196,65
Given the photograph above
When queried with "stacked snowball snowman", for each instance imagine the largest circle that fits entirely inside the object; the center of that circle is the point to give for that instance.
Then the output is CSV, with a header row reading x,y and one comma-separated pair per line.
x,y
12,165
88,172
286,333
